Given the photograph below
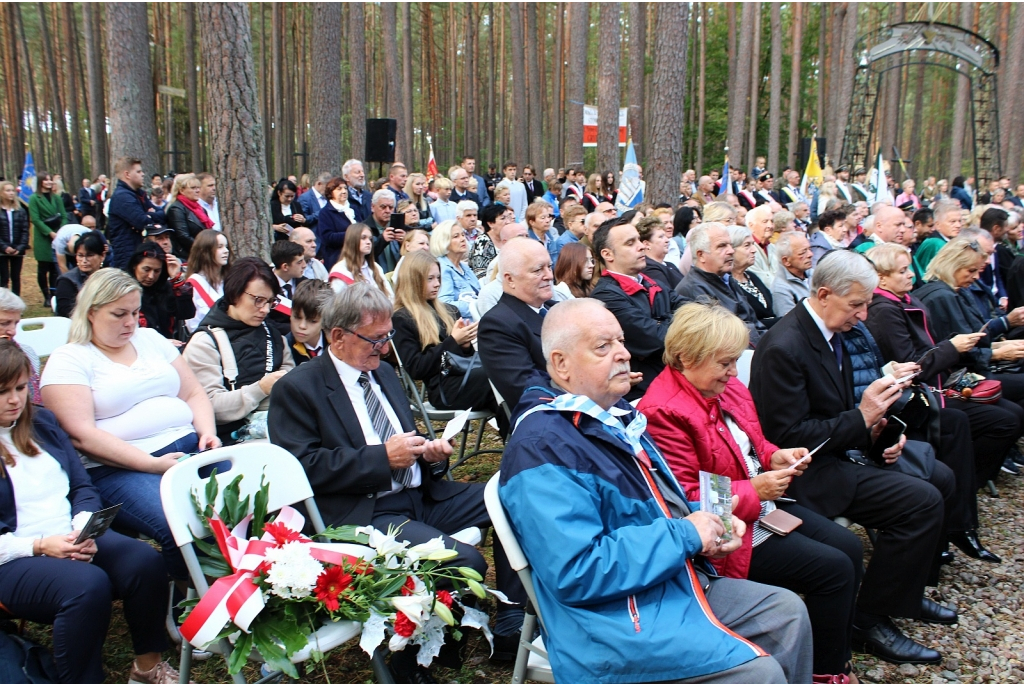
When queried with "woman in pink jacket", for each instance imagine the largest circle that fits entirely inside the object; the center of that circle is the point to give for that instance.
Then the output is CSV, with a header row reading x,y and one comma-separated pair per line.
x,y
704,419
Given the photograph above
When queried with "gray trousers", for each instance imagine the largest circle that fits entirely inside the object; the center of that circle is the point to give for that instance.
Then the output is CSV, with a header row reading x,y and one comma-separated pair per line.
x,y
772,618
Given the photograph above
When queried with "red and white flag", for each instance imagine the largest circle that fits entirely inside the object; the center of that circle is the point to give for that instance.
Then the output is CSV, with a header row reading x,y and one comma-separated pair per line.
x,y
431,163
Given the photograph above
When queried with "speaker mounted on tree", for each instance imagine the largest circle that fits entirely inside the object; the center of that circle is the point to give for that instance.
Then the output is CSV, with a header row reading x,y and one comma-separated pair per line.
x,y
380,140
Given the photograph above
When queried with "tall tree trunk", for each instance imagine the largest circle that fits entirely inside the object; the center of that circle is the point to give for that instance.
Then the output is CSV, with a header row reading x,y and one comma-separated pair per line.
x,y
536,112
1011,125
502,86
407,79
325,114
819,116
701,84
893,89
520,136
637,52
14,83
731,31
357,78
741,85
192,88
555,118
775,96
755,82
394,108
132,114
576,82
795,88
236,128
916,132
30,83
847,65
668,85
961,108
58,119
608,87
277,89
71,40
835,56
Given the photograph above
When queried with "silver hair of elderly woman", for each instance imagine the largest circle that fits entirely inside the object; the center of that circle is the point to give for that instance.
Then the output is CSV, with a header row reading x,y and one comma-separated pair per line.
x,y
9,302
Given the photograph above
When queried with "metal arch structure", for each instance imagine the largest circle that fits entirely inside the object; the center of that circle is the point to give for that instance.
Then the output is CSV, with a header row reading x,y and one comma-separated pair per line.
x,y
936,44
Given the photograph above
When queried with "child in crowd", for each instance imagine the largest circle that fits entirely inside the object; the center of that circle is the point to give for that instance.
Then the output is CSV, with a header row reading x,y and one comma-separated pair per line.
x,y
306,338
289,261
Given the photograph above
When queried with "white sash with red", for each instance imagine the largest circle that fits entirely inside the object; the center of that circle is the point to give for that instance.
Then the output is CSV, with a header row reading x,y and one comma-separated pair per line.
x,y
197,287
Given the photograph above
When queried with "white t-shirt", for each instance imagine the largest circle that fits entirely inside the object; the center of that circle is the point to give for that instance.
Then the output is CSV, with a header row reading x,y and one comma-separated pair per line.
x,y
63,237
139,403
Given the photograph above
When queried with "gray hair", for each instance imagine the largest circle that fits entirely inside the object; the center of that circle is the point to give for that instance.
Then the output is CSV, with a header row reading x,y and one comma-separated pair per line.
x,y
975,233
9,302
347,166
840,270
782,218
558,331
792,206
738,234
465,206
103,287
784,245
383,194
324,178
349,308
943,207
699,238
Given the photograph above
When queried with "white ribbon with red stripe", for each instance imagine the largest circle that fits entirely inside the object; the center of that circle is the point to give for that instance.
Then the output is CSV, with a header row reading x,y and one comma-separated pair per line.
x,y
237,598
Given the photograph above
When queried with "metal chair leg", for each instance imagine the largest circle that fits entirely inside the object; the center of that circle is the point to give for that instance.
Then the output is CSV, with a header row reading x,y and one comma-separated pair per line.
x,y
525,641
381,671
992,488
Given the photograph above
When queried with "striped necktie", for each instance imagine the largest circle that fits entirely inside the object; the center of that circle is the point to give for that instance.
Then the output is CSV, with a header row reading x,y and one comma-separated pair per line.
x,y
381,425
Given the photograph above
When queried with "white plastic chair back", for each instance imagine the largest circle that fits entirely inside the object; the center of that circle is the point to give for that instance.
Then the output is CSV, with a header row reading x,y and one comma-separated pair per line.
x,y
53,333
474,310
743,367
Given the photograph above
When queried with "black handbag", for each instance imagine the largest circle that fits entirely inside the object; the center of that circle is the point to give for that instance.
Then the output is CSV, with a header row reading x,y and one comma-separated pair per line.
x,y
52,222
917,459
457,365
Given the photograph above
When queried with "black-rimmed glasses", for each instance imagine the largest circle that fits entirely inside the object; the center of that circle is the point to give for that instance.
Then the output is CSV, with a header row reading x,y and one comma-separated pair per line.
x,y
378,343
259,302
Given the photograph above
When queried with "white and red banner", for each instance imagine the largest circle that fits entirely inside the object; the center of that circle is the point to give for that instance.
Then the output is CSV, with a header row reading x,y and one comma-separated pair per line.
x,y
590,126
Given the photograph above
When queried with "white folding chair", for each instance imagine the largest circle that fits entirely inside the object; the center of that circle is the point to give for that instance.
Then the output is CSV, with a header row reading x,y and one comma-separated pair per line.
x,y
531,658
743,367
46,333
288,485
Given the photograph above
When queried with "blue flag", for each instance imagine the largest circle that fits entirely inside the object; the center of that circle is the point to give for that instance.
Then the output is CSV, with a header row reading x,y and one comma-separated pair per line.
x,y
723,188
631,188
28,178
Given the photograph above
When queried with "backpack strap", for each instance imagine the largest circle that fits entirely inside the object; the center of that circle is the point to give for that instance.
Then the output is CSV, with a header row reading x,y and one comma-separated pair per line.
x,y
227,355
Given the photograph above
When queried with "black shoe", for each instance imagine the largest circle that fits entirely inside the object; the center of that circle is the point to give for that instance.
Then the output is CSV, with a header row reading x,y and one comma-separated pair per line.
x,y
405,669
946,557
505,647
970,545
1017,457
885,641
1009,466
933,612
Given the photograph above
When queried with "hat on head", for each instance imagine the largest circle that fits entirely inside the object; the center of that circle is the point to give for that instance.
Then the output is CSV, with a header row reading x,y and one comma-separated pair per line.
x,y
843,167
765,177
860,170
156,229
907,206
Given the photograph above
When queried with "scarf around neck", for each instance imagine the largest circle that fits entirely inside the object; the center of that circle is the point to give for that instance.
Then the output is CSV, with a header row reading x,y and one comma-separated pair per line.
x,y
196,209
632,287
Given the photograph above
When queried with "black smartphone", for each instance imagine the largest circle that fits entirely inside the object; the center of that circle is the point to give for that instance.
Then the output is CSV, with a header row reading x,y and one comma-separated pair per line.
x,y
920,362
889,436
98,523
397,221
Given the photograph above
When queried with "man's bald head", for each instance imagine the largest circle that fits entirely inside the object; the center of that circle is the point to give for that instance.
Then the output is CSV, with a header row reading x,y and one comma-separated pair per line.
x,y
592,223
512,230
525,268
889,223
305,237
564,327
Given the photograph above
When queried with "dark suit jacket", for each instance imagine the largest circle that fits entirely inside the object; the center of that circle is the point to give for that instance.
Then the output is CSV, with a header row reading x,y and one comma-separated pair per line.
x,y
666,274
362,207
312,417
510,349
803,398
87,201
701,284
470,195
538,190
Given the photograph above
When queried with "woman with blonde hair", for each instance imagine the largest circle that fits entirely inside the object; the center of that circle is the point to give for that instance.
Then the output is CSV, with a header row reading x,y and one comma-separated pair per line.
x,y
416,240
356,262
594,194
459,285
828,192
416,189
503,193
185,215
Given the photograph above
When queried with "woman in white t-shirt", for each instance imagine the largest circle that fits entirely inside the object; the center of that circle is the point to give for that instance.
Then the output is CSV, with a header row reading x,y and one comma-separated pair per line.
x,y
129,402
207,265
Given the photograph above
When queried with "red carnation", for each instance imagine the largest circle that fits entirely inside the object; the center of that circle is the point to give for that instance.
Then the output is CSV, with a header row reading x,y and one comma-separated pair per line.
x,y
404,625
282,534
330,584
445,597
408,586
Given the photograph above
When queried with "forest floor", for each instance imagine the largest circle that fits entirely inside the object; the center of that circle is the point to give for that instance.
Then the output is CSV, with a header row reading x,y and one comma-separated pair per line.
x,y
987,645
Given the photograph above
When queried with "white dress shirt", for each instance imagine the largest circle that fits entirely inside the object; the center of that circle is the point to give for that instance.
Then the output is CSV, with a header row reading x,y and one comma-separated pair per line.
x,y
820,323
350,379
212,211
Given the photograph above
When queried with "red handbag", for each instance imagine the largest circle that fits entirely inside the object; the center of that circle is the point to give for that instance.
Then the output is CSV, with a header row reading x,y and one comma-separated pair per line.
x,y
972,387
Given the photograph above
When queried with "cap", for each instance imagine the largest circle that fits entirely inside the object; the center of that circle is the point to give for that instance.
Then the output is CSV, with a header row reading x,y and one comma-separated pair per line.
x,y
843,167
765,177
907,206
156,229
860,170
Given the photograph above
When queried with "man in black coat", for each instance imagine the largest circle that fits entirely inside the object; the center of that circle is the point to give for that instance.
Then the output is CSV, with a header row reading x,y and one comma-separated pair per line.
x,y
803,389
359,196
534,187
87,198
509,333
643,308
130,211
345,416
461,191
710,277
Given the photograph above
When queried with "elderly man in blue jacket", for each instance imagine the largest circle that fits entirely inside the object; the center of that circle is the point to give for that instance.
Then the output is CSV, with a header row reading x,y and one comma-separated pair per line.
x,y
617,552
130,211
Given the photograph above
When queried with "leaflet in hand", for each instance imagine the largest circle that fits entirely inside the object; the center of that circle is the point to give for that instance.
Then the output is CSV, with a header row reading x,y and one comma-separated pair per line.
x,y
716,498
456,425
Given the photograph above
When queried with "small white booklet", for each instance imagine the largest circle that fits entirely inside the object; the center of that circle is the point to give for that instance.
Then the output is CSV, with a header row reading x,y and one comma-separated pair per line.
x,y
456,425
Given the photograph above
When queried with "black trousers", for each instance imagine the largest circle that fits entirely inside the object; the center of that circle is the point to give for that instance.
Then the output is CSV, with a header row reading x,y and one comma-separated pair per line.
x,y
423,519
46,277
956,451
824,562
10,271
76,598
909,515
994,430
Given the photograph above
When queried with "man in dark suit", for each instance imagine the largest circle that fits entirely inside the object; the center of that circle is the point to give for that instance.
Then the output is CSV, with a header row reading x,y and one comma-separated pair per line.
x,y
87,198
461,191
482,189
359,196
345,416
534,187
643,308
803,388
509,333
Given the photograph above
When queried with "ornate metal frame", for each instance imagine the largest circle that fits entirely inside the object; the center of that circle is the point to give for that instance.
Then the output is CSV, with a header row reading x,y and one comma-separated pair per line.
x,y
949,47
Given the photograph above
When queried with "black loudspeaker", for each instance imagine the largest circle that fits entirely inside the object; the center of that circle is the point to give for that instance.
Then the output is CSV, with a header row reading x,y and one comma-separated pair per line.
x,y
805,152
380,140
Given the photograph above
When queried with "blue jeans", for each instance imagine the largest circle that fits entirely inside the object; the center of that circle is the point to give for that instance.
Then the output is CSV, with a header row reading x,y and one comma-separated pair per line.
x,y
141,509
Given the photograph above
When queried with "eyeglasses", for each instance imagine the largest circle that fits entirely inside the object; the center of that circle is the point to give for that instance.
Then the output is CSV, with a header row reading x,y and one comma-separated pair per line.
x,y
610,211
259,302
378,343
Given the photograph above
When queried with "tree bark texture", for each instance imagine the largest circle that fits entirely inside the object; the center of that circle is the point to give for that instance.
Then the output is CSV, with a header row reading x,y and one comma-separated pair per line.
x,y
741,85
30,84
962,105
893,89
236,129
74,69
755,82
533,84
844,89
277,90
520,133
637,52
775,96
608,86
701,87
130,96
192,88
325,105
576,82
357,78
1011,124
556,119
13,83
668,84
394,110
819,118
58,112
407,80
795,89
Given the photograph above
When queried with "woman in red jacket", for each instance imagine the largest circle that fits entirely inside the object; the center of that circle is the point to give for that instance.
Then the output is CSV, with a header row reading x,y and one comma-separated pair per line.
x,y
703,419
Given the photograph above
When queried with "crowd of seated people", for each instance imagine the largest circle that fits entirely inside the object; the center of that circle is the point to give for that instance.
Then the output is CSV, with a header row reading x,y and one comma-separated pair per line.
x,y
613,338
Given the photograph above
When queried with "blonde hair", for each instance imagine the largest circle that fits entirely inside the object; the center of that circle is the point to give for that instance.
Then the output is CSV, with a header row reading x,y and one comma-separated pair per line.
x,y
409,295
441,238
721,212
442,182
103,287
700,330
14,204
957,254
884,257
181,181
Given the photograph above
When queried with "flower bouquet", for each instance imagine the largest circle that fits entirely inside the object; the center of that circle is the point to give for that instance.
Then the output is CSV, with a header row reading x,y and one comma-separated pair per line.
x,y
275,586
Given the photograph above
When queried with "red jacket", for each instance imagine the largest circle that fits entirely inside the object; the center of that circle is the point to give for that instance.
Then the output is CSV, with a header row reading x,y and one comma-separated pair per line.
x,y
693,436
